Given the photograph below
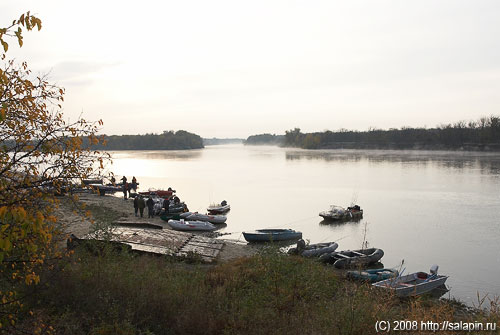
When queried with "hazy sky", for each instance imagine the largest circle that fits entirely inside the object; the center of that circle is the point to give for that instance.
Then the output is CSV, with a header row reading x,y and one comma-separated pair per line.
x,y
236,68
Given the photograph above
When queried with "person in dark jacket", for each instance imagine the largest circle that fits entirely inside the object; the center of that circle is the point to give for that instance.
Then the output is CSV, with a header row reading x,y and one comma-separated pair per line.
x,y
142,205
134,184
125,187
150,203
136,205
166,204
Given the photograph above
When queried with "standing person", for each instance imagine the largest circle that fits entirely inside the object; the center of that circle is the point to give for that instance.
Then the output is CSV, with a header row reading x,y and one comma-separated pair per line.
x,y
134,184
142,205
136,205
113,180
166,204
124,187
150,203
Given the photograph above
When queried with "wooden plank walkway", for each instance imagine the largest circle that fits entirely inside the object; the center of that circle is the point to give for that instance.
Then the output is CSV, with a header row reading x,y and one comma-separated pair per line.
x,y
162,241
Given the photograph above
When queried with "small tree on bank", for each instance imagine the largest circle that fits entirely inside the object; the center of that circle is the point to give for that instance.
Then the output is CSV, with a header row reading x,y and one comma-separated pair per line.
x,y
40,154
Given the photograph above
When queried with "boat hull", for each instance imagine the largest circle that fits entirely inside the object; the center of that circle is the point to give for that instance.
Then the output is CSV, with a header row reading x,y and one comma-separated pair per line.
x,y
218,209
373,275
270,235
410,286
191,225
352,258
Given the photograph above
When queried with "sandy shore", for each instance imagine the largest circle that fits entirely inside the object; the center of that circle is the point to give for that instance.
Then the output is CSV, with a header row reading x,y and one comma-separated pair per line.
x,y
74,221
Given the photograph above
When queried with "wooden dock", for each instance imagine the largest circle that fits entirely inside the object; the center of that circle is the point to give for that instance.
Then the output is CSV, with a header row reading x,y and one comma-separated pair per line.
x,y
161,241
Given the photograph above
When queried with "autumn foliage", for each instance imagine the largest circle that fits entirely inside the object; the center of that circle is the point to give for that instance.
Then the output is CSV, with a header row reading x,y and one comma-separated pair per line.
x,y
41,154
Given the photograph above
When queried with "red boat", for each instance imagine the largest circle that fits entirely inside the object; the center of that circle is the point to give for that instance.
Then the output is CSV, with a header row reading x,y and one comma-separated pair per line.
x,y
160,193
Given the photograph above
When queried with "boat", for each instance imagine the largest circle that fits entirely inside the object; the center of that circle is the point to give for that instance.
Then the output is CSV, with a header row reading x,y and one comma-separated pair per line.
x,y
190,225
373,275
338,213
221,208
216,219
160,193
170,216
313,250
269,235
351,258
413,284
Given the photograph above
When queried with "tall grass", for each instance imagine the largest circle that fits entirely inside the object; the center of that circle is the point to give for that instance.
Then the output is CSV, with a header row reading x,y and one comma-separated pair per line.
x,y
113,292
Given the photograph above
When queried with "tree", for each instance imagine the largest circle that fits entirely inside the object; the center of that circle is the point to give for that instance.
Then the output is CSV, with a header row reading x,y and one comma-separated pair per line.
x,y
40,154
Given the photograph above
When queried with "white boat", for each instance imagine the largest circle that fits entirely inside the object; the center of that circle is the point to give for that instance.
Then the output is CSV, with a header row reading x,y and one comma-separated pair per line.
x,y
216,219
190,225
223,207
413,284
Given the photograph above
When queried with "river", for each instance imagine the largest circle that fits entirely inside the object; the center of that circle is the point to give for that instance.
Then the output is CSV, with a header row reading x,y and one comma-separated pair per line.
x,y
423,207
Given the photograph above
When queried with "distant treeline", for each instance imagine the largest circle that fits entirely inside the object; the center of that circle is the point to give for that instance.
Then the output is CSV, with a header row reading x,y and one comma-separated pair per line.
x,y
168,140
271,139
483,134
218,141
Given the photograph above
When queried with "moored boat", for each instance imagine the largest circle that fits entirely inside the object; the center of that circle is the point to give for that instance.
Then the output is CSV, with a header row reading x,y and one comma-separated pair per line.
x,y
270,235
215,219
313,250
221,208
413,284
338,213
373,275
160,193
351,258
191,225
170,216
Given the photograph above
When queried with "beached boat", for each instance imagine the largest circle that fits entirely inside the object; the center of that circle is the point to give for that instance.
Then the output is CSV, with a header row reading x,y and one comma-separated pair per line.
x,y
313,250
160,193
337,213
170,216
269,235
216,219
352,258
221,208
373,275
191,225
413,284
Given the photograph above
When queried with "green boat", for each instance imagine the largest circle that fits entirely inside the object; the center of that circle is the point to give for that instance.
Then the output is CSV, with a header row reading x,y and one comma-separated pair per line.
x,y
373,275
170,216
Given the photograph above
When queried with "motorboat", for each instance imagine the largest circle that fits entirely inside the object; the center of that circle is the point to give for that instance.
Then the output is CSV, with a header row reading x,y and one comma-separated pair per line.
x,y
337,213
221,208
413,284
271,235
190,225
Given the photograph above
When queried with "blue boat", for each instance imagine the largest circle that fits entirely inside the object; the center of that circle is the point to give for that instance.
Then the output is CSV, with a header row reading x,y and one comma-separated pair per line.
x,y
270,235
373,275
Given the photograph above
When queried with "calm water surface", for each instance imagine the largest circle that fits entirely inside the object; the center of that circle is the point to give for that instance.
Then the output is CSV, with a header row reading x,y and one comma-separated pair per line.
x,y
423,207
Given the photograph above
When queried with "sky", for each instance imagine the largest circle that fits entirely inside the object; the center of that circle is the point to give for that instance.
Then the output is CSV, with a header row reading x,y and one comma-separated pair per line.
x,y
229,68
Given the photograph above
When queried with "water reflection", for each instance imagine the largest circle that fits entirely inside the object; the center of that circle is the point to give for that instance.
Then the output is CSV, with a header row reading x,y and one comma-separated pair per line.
x,y
486,162
340,222
161,154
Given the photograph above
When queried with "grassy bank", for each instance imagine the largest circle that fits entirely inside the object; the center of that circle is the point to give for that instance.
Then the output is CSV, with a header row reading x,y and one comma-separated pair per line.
x,y
112,292
103,290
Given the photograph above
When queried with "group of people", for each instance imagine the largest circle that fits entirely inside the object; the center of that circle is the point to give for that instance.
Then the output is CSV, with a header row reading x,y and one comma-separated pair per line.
x,y
128,187
140,204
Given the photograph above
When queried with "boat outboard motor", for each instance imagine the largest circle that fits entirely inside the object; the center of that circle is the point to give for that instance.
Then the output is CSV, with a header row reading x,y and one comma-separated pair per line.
x,y
434,269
